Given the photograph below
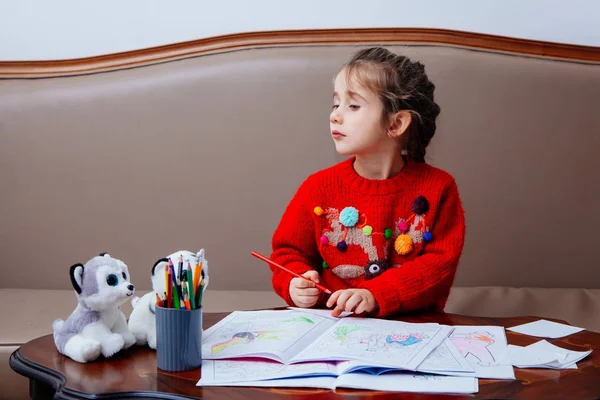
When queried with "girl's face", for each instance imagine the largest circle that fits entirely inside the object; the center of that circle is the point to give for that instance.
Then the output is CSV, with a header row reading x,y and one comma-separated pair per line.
x,y
356,120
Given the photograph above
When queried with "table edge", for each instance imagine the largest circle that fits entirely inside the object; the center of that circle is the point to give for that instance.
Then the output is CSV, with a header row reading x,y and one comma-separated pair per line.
x,y
57,381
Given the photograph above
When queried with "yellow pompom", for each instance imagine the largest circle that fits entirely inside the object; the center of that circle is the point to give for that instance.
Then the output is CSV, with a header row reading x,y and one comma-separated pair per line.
x,y
403,244
318,211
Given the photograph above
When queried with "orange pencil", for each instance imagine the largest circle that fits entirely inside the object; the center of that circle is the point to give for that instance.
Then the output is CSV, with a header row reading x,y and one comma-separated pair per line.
x,y
196,278
186,299
168,285
158,300
320,287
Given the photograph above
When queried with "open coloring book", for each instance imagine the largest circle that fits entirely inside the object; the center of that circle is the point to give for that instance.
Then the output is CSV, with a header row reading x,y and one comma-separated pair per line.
x,y
292,336
326,375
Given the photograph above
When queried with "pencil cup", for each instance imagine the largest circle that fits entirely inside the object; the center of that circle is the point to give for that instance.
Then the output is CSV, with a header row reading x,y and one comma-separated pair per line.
x,y
178,339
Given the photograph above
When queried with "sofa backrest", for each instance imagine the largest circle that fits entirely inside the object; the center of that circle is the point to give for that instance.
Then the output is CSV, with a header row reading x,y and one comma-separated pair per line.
x,y
206,151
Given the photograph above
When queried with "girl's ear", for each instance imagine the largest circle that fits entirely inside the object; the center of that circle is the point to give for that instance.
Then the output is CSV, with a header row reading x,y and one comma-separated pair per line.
x,y
399,123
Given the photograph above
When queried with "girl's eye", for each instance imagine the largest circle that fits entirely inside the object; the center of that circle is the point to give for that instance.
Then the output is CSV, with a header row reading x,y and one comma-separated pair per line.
x,y
335,106
354,107
124,276
112,280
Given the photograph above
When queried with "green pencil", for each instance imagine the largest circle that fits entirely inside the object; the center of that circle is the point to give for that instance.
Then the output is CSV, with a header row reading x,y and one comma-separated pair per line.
x,y
176,298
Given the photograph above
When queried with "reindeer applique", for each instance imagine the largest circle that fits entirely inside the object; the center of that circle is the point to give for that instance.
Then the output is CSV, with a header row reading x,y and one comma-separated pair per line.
x,y
349,227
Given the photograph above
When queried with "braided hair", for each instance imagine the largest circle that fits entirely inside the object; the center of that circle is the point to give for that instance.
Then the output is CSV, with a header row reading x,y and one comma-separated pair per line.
x,y
402,85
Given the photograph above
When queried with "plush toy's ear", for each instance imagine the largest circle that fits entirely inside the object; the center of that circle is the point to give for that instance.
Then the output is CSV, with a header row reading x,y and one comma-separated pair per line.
x,y
104,254
158,262
76,273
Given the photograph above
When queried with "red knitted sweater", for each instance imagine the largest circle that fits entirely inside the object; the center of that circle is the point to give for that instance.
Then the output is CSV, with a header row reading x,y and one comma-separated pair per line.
x,y
400,238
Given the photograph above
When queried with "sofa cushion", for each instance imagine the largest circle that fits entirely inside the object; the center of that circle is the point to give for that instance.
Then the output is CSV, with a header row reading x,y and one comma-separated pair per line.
x,y
578,307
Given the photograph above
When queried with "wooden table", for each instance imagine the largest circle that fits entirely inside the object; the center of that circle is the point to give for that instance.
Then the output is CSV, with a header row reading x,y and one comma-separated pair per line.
x,y
133,373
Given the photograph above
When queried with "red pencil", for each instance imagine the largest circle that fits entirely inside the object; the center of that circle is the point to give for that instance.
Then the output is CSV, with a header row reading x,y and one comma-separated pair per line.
x,y
320,287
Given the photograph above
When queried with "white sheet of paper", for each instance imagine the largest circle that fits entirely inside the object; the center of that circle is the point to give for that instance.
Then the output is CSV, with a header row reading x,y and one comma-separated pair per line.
x,y
545,355
544,328
526,357
570,358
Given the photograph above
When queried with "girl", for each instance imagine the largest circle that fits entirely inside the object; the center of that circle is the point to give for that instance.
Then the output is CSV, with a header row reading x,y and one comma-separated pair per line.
x,y
383,230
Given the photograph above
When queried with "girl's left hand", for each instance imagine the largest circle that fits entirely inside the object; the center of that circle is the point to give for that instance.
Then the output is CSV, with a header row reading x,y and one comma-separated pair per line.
x,y
352,300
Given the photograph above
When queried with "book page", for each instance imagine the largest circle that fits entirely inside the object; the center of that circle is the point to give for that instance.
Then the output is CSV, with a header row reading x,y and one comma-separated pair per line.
x,y
408,382
444,358
376,342
228,371
485,349
276,335
320,382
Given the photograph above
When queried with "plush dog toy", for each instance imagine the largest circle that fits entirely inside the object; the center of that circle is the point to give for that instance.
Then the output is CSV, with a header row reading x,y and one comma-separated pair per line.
x,y
97,326
142,321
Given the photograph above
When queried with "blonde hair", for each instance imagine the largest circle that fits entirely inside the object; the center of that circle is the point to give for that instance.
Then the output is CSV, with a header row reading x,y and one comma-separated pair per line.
x,y
402,85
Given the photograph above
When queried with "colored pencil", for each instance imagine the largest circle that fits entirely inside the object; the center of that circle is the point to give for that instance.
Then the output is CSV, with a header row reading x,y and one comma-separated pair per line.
x,y
320,287
190,282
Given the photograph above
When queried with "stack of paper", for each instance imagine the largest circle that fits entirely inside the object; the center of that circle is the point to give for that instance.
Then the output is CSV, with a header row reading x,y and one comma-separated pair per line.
x,y
544,355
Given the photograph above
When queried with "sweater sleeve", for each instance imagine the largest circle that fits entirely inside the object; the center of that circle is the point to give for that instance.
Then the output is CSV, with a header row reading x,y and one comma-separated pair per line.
x,y
294,244
425,281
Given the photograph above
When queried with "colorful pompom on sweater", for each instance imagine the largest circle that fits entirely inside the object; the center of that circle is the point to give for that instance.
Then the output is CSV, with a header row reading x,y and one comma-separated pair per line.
x,y
400,238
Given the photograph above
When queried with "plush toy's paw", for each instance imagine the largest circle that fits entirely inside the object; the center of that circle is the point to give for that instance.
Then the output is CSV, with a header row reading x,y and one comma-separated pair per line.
x,y
140,338
152,340
112,345
81,349
90,350
129,340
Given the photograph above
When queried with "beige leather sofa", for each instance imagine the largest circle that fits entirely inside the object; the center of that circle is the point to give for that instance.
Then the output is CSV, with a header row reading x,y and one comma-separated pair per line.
x,y
206,151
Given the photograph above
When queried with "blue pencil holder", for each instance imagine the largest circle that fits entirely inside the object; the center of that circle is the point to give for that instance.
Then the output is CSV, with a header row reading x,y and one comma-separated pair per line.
x,y
178,339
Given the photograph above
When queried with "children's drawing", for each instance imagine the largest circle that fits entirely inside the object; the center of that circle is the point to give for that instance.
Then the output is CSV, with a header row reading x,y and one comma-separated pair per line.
x,y
476,344
242,338
376,342
240,370
342,332
428,377
300,318
271,334
384,342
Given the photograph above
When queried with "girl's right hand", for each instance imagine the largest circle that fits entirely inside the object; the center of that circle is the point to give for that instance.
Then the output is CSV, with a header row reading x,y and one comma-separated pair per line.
x,y
304,293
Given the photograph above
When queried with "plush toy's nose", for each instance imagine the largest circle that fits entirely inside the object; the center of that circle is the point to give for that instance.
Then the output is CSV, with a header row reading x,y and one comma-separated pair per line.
x,y
130,287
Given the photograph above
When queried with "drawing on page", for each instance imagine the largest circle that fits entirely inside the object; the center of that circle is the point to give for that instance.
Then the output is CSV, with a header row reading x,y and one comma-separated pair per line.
x,y
440,358
241,338
356,340
428,377
299,318
342,332
384,342
250,370
476,345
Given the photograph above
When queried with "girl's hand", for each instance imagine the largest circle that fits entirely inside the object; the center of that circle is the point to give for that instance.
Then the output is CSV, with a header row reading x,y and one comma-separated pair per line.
x,y
352,300
304,293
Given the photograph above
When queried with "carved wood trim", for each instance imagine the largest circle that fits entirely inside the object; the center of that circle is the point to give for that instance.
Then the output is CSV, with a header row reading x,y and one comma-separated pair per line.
x,y
176,51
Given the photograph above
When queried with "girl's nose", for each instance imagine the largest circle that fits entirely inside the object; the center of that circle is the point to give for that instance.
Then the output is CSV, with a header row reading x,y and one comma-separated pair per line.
x,y
335,117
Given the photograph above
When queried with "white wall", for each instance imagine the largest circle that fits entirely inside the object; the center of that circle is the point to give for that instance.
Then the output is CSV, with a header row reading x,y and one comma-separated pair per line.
x,y
60,29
